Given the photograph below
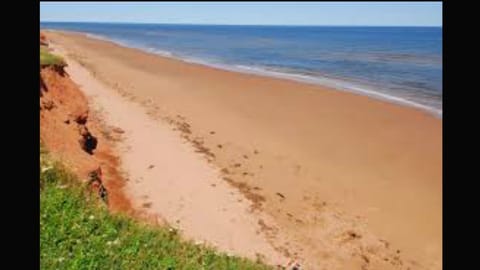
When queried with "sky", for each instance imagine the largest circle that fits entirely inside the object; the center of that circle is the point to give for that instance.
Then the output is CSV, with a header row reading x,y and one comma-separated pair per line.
x,y
248,13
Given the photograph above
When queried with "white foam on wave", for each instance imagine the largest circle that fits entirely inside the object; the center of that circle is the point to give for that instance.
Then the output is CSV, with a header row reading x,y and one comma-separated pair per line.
x,y
127,44
156,51
163,53
96,36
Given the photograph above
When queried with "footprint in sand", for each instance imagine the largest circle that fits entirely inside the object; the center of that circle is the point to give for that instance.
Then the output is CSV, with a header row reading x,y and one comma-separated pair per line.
x,y
147,205
297,169
349,235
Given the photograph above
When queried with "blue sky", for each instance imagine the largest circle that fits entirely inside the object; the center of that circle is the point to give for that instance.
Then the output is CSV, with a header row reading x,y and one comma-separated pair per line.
x,y
244,13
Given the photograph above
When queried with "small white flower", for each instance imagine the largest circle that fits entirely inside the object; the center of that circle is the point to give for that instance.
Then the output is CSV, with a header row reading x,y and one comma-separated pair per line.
x,y
109,243
91,217
61,259
44,169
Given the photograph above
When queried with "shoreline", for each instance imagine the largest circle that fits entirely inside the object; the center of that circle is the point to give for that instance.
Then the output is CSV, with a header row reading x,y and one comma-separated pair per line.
x,y
338,84
306,150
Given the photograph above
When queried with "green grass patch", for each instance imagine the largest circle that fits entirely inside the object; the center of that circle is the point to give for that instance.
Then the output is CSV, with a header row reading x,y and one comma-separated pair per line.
x,y
49,59
78,232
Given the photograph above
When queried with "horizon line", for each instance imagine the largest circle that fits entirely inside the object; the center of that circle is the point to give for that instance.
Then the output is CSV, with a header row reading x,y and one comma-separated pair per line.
x,y
215,24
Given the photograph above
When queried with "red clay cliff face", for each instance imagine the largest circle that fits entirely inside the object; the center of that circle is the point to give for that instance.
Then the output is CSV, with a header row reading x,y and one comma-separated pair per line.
x,y
71,135
61,104
81,141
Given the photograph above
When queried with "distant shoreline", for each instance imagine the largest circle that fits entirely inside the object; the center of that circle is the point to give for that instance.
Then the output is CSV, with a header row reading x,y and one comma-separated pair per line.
x,y
340,84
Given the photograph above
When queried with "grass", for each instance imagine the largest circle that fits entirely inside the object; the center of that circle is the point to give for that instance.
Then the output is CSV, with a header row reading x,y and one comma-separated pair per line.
x,y
78,232
49,59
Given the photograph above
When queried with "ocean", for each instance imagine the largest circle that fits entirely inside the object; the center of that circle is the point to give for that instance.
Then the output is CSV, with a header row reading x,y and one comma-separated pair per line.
x,y
399,64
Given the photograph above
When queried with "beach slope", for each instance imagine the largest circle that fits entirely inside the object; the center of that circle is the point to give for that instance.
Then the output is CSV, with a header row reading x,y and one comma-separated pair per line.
x,y
342,177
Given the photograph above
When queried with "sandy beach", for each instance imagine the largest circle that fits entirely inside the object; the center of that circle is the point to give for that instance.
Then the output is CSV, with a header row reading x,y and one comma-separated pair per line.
x,y
334,179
